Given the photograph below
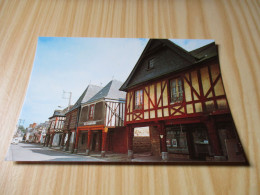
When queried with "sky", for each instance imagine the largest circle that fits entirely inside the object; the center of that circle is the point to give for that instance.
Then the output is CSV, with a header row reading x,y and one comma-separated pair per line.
x,y
71,64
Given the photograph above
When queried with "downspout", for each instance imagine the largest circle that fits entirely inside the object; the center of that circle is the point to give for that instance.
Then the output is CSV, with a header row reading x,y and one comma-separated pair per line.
x,y
75,136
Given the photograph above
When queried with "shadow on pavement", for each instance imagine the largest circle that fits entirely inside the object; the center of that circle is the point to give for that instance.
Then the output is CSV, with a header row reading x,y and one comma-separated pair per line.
x,y
48,152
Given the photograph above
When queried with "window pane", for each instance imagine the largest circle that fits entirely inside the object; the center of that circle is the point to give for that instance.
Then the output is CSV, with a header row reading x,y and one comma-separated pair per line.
x,y
176,90
138,99
151,63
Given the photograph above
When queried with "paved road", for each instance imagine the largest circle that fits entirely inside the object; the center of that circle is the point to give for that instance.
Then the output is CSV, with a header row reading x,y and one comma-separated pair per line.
x,y
35,152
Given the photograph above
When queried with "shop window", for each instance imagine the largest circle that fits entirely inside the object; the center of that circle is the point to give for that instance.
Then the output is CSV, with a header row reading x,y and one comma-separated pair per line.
x,y
138,99
176,90
91,112
201,143
176,140
200,136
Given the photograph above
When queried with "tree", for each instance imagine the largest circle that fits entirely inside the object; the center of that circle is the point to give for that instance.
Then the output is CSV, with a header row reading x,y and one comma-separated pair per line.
x,y
21,128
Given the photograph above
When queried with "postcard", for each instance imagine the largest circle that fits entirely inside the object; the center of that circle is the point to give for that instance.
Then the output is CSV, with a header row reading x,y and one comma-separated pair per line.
x,y
126,101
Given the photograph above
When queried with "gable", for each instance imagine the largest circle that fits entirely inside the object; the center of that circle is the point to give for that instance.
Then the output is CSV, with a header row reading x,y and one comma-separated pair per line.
x,y
165,61
110,91
86,95
155,44
168,57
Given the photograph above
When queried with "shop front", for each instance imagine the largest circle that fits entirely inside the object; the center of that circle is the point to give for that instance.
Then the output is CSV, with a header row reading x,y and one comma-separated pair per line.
x,y
187,141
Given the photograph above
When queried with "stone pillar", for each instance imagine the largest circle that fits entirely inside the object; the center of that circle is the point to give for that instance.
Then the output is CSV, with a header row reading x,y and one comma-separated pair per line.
x,y
213,137
130,132
104,142
68,142
88,143
77,141
62,141
162,132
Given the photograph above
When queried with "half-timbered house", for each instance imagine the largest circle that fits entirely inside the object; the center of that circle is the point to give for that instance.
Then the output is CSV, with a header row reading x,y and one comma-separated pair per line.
x,y
72,116
101,122
180,96
54,133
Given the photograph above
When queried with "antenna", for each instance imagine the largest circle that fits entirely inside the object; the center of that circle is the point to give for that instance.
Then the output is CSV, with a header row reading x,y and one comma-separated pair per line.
x,y
69,98
21,121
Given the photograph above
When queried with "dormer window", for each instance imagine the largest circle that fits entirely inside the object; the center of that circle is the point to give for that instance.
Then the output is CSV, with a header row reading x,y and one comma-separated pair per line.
x,y
151,63
176,90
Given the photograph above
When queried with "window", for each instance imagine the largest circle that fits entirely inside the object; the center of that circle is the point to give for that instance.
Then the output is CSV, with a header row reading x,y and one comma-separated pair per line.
x,y
151,63
138,99
176,140
91,112
176,90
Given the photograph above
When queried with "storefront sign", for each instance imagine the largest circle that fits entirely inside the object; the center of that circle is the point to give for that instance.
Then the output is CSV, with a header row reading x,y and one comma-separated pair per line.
x,y
90,123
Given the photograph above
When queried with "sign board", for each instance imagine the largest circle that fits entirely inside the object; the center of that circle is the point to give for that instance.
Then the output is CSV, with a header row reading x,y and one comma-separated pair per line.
x,y
90,123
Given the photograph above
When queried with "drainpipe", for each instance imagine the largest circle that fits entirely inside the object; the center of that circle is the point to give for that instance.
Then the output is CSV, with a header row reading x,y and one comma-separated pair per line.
x,y
75,150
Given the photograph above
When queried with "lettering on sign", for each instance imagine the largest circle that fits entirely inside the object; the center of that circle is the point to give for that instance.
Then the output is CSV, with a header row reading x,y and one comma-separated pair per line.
x,y
90,123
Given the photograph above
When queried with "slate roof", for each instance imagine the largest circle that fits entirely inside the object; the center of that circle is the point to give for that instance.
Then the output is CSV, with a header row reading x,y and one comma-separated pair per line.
x,y
179,60
89,92
205,52
59,113
110,91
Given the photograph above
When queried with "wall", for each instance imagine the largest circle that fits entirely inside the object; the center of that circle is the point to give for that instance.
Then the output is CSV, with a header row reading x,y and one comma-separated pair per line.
x,y
82,145
98,118
141,144
202,92
119,140
155,141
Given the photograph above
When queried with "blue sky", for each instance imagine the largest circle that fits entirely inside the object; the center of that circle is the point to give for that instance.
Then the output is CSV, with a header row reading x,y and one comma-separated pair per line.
x,y
71,64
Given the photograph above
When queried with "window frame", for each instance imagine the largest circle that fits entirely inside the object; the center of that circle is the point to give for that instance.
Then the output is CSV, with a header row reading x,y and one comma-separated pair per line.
x,y
149,62
140,107
180,98
91,114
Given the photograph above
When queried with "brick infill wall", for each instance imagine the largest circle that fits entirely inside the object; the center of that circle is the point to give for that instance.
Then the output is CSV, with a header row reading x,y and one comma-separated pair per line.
x,y
141,144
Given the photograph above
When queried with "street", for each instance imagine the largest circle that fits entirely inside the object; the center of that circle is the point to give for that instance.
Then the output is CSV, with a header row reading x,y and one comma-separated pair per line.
x,y
35,152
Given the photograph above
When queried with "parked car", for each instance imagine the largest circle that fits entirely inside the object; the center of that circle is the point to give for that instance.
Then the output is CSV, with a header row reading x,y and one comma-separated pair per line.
x,y
15,141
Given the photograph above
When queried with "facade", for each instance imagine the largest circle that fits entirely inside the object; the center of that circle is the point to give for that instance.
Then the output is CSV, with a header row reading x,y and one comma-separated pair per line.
x,y
101,122
180,96
41,130
54,132
30,133
71,121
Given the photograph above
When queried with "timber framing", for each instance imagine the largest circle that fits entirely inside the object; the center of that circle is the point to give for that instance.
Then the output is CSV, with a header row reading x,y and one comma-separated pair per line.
x,y
183,102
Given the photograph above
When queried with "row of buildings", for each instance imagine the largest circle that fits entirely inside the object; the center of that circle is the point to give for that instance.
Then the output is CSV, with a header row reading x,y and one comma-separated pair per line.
x,y
178,95
35,133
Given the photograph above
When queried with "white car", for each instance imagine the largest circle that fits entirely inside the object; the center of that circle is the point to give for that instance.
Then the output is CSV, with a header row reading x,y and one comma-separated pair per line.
x,y
15,141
